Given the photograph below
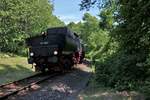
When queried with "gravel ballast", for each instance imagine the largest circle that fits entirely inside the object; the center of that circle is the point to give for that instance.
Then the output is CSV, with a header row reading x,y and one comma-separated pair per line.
x,y
65,87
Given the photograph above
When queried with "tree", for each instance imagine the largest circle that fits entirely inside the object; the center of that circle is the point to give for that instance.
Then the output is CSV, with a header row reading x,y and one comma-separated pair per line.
x,y
21,19
128,67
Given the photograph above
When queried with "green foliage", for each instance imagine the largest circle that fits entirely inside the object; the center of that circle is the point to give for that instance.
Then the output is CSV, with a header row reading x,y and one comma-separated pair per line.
x,y
21,19
117,73
76,27
128,23
87,4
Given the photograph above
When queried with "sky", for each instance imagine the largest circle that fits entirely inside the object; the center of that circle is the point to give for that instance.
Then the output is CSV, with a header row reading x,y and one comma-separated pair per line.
x,y
69,10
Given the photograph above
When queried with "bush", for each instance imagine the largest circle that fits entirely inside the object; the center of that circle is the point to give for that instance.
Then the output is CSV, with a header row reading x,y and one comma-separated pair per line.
x,y
122,71
145,88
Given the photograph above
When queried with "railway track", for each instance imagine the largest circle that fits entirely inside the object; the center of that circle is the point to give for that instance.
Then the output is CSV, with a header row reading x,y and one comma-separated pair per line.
x,y
12,88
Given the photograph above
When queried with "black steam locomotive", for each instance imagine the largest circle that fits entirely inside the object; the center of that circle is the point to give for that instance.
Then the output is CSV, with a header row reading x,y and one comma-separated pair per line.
x,y
56,49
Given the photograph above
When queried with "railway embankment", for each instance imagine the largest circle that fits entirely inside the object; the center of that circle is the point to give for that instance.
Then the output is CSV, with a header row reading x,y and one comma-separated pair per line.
x,y
14,68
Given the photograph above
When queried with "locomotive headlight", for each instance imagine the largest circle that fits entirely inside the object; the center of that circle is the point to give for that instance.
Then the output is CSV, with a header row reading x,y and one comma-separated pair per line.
x,y
31,54
55,52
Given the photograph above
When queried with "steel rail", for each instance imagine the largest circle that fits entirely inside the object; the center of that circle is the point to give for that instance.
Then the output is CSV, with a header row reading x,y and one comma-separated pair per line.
x,y
5,96
21,79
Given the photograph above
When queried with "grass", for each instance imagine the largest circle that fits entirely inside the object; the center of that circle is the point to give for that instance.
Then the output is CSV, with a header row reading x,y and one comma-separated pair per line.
x,y
96,92
14,68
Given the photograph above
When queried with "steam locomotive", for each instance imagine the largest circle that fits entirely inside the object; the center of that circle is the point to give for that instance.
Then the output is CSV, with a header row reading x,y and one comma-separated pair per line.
x,y
55,49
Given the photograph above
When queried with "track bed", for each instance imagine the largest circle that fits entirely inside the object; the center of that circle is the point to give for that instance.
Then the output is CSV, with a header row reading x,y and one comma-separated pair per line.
x,y
12,88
